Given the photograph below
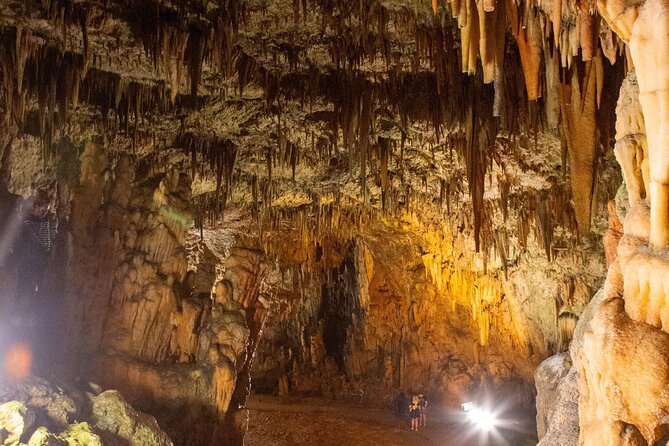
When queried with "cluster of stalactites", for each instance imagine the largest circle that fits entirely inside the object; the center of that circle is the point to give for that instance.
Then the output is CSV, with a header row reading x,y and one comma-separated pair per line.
x,y
319,231
482,292
59,79
219,155
174,37
549,36
32,68
572,29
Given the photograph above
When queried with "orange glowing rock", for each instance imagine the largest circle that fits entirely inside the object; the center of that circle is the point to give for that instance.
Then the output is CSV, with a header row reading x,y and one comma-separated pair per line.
x,y
435,5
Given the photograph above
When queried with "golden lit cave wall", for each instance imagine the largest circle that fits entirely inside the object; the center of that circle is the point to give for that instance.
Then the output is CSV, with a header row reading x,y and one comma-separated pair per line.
x,y
490,289
442,316
472,280
624,372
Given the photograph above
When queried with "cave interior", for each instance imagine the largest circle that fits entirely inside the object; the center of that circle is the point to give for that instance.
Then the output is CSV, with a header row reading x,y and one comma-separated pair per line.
x,y
228,222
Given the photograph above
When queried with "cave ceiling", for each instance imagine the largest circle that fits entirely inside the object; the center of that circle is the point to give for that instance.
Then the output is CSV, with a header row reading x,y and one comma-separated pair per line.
x,y
494,118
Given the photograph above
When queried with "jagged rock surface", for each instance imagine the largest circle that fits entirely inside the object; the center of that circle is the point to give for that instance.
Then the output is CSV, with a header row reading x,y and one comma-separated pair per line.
x,y
37,413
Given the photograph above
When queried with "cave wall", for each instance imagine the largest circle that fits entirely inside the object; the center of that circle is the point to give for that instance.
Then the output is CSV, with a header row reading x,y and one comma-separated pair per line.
x,y
124,308
623,362
394,327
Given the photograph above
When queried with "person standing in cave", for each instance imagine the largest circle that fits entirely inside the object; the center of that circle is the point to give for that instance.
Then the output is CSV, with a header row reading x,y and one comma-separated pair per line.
x,y
414,412
422,403
33,254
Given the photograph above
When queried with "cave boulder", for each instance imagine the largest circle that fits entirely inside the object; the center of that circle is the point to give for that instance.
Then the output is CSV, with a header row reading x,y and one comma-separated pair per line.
x,y
557,387
82,434
37,412
114,415
16,419
547,378
42,437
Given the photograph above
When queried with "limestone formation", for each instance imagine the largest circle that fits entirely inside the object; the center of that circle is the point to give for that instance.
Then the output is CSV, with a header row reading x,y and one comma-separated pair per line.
x,y
338,199
548,377
623,363
558,393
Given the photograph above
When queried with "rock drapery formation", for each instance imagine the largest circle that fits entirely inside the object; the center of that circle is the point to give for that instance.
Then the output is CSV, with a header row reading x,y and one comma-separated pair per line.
x,y
332,197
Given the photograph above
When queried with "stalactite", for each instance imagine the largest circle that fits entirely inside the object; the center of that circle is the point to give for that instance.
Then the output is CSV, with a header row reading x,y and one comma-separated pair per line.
x,y
525,28
84,20
195,49
488,43
384,156
544,226
578,102
587,27
174,42
363,138
469,36
221,49
294,153
220,156
247,72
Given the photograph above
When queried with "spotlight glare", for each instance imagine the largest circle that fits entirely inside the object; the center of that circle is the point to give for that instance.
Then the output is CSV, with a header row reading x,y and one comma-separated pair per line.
x,y
483,419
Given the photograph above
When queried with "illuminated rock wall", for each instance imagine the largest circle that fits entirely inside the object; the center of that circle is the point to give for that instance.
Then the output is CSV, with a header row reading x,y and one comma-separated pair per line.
x,y
409,317
130,314
623,364
398,216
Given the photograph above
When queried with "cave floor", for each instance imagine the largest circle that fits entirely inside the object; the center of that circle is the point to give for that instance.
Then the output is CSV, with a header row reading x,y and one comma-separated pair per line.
x,y
327,423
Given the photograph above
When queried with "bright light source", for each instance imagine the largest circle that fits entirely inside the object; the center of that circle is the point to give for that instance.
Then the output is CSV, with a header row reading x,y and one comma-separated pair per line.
x,y
483,419
466,407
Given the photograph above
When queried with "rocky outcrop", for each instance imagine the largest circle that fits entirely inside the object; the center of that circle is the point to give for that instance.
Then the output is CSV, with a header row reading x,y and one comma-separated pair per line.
x,y
636,23
153,314
36,413
557,381
548,378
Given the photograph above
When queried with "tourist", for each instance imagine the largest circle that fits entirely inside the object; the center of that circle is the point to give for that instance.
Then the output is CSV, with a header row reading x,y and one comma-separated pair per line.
x,y
422,402
414,412
33,254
